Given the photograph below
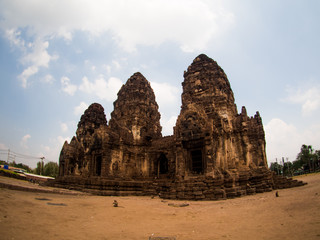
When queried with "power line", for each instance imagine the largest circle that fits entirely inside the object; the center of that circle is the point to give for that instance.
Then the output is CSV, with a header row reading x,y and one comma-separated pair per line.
x,y
11,155
24,156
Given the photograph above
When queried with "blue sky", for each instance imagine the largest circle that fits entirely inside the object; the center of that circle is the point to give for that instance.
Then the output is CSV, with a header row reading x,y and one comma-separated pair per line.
x,y
58,57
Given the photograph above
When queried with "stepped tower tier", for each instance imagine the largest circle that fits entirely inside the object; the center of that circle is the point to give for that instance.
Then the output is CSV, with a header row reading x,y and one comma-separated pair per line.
x,y
92,119
76,157
206,85
136,117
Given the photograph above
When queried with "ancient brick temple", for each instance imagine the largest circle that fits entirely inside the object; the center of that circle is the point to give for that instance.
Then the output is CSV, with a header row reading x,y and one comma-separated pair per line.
x,y
214,153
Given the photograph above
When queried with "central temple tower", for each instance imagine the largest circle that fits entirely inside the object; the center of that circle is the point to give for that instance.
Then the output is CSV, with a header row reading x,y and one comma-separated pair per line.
x,y
210,132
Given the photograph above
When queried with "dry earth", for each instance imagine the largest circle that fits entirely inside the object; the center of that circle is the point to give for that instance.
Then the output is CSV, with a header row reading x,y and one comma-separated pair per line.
x,y
295,214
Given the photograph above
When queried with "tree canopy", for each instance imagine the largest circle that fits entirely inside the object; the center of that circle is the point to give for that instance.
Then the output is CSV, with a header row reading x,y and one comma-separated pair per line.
x,y
306,161
49,169
307,158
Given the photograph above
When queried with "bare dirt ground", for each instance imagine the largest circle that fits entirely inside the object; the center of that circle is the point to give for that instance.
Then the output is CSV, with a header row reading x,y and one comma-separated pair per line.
x,y
295,214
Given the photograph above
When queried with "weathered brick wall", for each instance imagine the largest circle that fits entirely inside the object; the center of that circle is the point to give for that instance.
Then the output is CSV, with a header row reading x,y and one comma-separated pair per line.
x,y
223,186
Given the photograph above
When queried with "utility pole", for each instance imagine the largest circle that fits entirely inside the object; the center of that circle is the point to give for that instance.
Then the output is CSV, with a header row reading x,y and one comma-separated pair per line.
x,y
288,165
41,167
8,156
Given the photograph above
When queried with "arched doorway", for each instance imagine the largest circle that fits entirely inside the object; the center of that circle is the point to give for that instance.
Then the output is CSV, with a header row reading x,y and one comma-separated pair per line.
x,y
162,164
98,161
196,161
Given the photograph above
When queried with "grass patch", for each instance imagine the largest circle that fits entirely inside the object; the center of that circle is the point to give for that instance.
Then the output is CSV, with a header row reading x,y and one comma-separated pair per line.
x,y
6,171
11,174
303,175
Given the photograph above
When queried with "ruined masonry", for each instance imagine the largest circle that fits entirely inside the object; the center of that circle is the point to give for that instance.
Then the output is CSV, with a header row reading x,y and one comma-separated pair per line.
x,y
214,153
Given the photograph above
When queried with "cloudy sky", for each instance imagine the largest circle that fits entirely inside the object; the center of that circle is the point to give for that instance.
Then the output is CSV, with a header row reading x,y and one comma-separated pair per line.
x,y
58,57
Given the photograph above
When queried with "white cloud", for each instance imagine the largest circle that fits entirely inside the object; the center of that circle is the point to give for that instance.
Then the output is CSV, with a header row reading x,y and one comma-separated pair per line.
x,y
166,94
64,127
90,65
37,56
14,37
52,152
28,72
47,149
48,79
102,88
116,64
24,141
282,139
285,140
78,110
107,68
3,146
309,99
189,23
67,87
61,140
167,125
168,98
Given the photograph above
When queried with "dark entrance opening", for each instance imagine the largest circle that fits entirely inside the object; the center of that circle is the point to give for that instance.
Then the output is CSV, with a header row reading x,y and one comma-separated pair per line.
x,y
163,164
196,161
61,169
98,165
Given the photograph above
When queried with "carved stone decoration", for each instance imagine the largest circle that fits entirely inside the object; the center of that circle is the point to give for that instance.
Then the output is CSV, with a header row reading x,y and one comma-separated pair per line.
x,y
136,117
214,153
92,119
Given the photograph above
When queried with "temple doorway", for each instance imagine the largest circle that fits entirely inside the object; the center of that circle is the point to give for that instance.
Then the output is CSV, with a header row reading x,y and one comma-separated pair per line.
x,y
162,164
98,165
61,169
196,161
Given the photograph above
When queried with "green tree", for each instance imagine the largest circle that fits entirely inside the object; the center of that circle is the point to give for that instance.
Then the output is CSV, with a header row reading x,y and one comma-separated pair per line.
x,y
51,169
2,162
288,169
297,165
21,165
39,169
276,167
306,159
317,159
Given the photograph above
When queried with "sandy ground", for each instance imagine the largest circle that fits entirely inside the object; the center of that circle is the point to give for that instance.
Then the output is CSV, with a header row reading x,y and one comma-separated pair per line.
x,y
295,214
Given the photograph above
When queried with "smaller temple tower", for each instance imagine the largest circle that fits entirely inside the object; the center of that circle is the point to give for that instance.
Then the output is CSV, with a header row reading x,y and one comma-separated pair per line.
x,y
135,116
